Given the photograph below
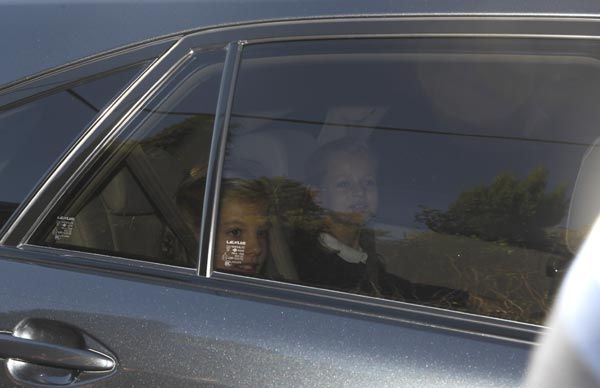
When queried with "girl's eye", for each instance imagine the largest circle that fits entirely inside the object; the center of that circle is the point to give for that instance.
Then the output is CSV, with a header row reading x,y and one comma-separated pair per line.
x,y
262,233
370,183
342,184
236,232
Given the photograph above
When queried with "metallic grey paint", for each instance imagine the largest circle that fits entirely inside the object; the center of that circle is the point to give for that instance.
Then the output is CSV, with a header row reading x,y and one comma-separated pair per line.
x,y
46,38
169,328
218,337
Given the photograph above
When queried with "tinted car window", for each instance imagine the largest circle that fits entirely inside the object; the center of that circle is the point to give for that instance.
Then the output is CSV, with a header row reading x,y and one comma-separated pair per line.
x,y
143,197
454,173
36,131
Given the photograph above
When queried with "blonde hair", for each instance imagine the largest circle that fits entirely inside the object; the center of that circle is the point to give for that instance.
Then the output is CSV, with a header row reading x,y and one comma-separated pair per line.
x,y
256,191
319,162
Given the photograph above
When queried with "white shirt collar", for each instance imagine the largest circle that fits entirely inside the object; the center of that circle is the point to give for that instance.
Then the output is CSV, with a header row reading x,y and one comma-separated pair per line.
x,y
345,252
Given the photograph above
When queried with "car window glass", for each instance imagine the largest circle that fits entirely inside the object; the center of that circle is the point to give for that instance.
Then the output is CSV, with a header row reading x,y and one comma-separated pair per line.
x,y
455,173
36,132
142,198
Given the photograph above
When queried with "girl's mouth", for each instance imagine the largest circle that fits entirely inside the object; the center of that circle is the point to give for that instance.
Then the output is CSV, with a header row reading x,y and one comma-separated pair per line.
x,y
359,207
246,268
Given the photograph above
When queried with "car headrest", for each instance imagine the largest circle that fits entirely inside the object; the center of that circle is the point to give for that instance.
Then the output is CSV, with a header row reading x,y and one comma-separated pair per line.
x,y
124,194
269,153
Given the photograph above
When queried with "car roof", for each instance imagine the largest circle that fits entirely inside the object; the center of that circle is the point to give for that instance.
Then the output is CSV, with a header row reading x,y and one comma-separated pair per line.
x,y
42,34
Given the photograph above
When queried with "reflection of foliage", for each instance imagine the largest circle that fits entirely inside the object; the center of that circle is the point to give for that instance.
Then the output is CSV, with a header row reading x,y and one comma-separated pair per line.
x,y
508,210
503,281
290,201
172,136
294,203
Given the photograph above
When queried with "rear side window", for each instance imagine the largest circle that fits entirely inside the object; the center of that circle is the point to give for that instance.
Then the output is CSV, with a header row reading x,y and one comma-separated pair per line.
x,y
143,196
36,131
454,173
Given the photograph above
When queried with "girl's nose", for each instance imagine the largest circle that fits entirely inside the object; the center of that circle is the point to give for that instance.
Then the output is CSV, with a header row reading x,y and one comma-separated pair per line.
x,y
359,190
253,249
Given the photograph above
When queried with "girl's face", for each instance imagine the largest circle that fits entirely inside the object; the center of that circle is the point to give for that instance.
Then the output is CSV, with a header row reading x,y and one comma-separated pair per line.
x,y
242,236
349,188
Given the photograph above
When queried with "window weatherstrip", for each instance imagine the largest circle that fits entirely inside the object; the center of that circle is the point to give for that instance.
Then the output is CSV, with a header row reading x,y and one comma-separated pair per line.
x,y
217,156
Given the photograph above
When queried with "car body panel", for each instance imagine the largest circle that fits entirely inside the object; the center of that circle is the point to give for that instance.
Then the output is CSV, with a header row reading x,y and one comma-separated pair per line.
x,y
211,332
45,27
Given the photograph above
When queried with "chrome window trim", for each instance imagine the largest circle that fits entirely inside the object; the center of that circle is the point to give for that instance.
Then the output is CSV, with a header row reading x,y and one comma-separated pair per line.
x,y
431,316
99,259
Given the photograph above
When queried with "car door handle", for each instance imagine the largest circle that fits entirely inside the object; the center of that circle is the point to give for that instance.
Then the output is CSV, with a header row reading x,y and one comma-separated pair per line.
x,y
58,356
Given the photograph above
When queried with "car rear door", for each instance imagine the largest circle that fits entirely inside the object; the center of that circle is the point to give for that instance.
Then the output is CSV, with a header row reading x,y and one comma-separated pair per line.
x,y
103,264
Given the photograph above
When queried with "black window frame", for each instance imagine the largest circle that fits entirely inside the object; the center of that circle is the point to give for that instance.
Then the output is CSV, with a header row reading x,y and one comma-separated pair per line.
x,y
234,38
